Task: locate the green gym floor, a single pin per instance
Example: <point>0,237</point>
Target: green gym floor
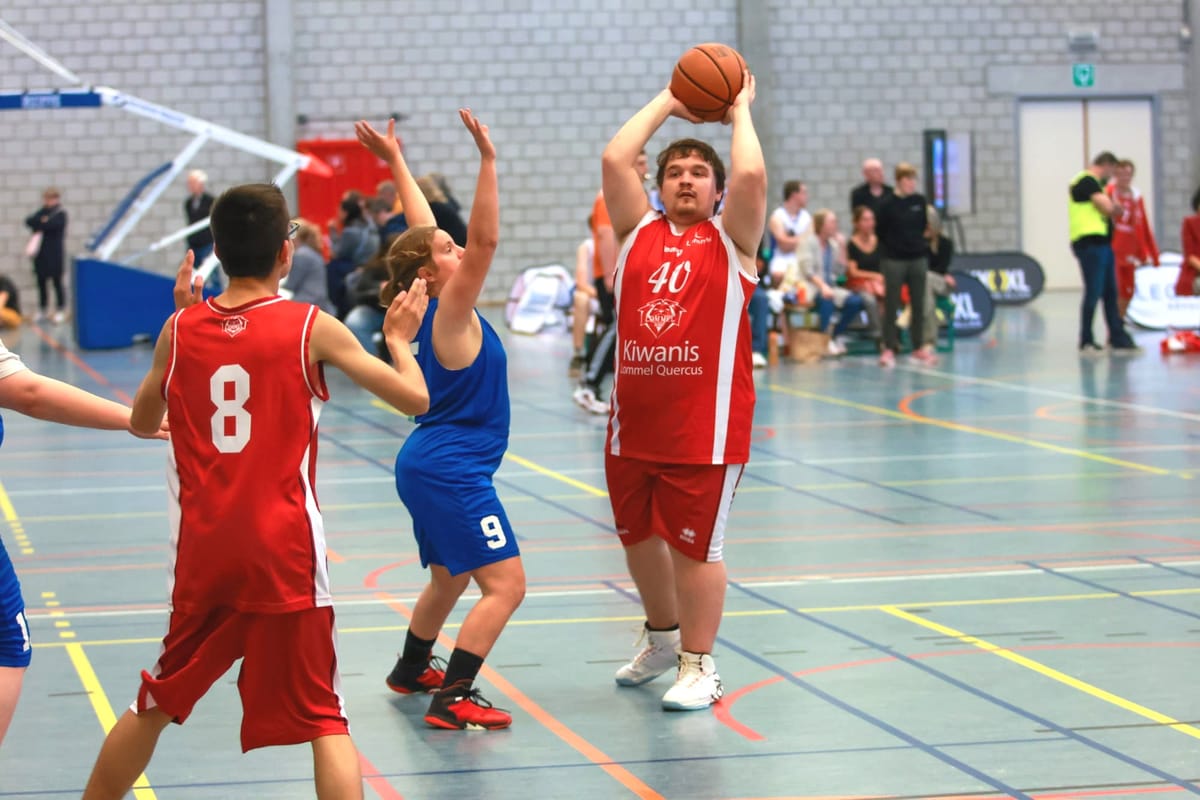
<point>978,580</point>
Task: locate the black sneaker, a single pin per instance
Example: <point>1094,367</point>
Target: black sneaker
<point>1090,349</point>
<point>405,679</point>
<point>460,707</point>
<point>576,366</point>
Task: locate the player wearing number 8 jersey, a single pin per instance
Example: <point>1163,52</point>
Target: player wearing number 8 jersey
<point>241,375</point>
<point>683,395</point>
<point>444,470</point>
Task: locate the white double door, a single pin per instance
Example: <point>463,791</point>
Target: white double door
<point>1057,139</point>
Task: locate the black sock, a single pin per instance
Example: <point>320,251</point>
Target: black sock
<point>674,627</point>
<point>463,665</point>
<point>416,650</point>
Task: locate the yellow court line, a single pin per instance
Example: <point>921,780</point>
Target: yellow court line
<point>103,709</point>
<point>765,612</point>
<point>10,513</point>
<point>955,426</point>
<point>558,476</point>
<point>524,462</point>
<point>1049,672</point>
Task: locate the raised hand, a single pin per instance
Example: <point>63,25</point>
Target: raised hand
<point>745,96</point>
<point>385,146</point>
<point>479,131</point>
<point>676,107</point>
<point>404,315</point>
<point>189,287</point>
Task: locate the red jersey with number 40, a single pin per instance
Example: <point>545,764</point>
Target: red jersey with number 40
<point>243,403</point>
<point>683,385</point>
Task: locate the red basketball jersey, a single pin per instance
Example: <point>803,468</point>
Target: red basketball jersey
<point>243,404</point>
<point>683,385</point>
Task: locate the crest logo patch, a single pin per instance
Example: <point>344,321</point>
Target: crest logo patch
<point>661,315</point>
<point>235,325</point>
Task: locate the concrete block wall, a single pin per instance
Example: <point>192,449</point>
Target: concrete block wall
<point>553,79</point>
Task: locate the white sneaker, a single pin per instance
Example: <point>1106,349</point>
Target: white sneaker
<point>586,399</point>
<point>758,359</point>
<point>40,316</point>
<point>60,317</point>
<point>697,686</point>
<point>659,655</point>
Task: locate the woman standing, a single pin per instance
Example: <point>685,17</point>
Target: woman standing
<point>444,471</point>
<point>51,222</point>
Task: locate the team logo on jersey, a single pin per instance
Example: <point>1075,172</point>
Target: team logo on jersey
<point>235,325</point>
<point>661,315</point>
<point>688,535</point>
<point>699,239</point>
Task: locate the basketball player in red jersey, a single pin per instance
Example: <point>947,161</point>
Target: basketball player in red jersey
<point>242,377</point>
<point>683,393</point>
<point>1133,240</point>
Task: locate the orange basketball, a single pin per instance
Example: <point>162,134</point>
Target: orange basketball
<point>707,78</point>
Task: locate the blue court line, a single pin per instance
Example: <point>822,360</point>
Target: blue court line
<point>1103,588</point>
<point>822,498</point>
<point>974,690</point>
<point>865,716</point>
<point>875,484</point>
<point>571,765</point>
<point>1167,567</point>
<point>389,467</point>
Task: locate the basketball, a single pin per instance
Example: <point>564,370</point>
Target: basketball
<point>707,78</point>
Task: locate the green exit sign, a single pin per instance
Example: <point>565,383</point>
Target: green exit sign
<point>1083,75</point>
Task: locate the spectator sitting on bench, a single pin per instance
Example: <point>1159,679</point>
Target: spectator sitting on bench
<point>828,271</point>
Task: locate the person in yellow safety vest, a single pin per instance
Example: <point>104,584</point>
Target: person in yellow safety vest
<point>1090,212</point>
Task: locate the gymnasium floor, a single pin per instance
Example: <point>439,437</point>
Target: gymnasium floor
<point>980,580</point>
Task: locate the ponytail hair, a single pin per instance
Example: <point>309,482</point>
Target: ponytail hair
<point>410,251</point>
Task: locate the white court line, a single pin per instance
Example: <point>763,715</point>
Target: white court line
<point>809,581</point>
<point>1079,398</point>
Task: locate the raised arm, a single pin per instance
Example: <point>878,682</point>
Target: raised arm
<point>458,297</point>
<point>387,148</point>
<point>149,405</point>
<point>623,193</point>
<point>746,188</point>
<point>401,385</point>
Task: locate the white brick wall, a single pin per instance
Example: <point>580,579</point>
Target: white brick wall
<point>554,79</point>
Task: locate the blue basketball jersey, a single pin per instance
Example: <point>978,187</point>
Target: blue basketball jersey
<point>15,649</point>
<point>444,470</point>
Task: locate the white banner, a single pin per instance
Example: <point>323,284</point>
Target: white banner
<point>1155,304</point>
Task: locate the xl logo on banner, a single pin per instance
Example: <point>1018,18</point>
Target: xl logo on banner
<point>1155,304</point>
<point>1011,277</point>
<point>973,305</point>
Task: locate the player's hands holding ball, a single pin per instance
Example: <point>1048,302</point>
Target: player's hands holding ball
<point>404,315</point>
<point>708,81</point>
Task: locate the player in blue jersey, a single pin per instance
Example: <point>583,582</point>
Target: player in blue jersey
<point>23,390</point>
<point>444,470</point>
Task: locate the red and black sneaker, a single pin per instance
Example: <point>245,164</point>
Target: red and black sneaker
<point>461,707</point>
<point>407,680</point>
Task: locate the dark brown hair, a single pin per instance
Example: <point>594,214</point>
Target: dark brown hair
<point>412,250</point>
<point>249,224</point>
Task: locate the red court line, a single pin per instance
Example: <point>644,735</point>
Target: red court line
<point>724,709</point>
<point>378,783</point>
<point>539,714</point>
<point>83,365</point>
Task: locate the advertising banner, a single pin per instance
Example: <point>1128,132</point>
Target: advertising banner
<point>1012,277</point>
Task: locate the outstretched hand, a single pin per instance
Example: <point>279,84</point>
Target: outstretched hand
<point>404,315</point>
<point>744,98</point>
<point>385,146</point>
<point>479,131</point>
<point>189,287</point>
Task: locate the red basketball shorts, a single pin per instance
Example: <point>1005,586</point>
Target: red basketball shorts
<point>685,504</point>
<point>288,682</point>
<point>1126,279</point>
